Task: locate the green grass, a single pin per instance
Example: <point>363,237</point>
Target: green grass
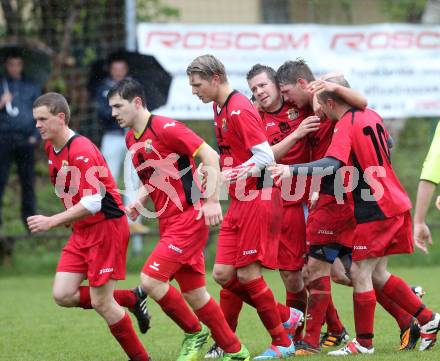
<point>33,328</point>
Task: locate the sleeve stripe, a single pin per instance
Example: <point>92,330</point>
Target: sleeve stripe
<point>198,149</point>
<point>430,181</point>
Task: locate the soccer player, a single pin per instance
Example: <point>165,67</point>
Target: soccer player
<point>286,127</point>
<point>381,208</point>
<point>408,325</point>
<point>96,250</point>
<point>249,235</point>
<point>163,152</point>
<point>429,179</point>
<point>330,227</point>
<point>288,130</point>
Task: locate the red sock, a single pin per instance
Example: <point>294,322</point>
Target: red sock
<point>177,309</point>
<point>212,316</point>
<point>265,304</point>
<point>123,332</point>
<point>402,317</point>
<point>298,300</point>
<point>334,324</point>
<point>399,292</point>
<point>84,297</point>
<point>283,311</point>
<point>238,289</point>
<point>319,297</point>
<point>364,306</point>
<point>124,298</point>
<point>231,306</point>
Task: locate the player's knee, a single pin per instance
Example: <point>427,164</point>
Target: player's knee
<point>197,298</point>
<point>154,288</point>
<point>356,273</point>
<point>361,278</point>
<point>292,280</point>
<point>314,269</point>
<point>379,279</point>
<point>220,276</point>
<point>62,298</point>
<point>147,285</point>
<point>338,277</point>
<point>100,304</point>
<point>246,277</point>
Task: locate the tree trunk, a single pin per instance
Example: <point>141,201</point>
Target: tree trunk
<point>12,17</point>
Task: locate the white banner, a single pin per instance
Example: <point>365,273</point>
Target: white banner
<point>396,66</point>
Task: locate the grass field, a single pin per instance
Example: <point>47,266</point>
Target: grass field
<point>33,328</point>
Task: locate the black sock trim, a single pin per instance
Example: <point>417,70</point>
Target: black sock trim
<point>419,311</point>
<point>364,336</point>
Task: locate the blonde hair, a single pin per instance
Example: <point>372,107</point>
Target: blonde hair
<point>207,66</point>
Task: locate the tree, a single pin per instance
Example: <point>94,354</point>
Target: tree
<point>407,11</point>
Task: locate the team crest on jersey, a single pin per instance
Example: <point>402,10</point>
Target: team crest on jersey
<point>149,145</point>
<point>284,127</point>
<point>224,125</point>
<point>64,163</point>
<point>292,113</point>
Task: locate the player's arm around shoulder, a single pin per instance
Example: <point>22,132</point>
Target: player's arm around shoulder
<point>350,95</point>
<point>210,169</point>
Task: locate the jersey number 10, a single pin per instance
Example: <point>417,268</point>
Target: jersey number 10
<point>379,141</point>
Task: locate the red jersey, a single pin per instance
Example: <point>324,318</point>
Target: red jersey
<point>318,142</point>
<point>279,125</point>
<point>77,170</point>
<point>163,158</point>
<point>321,139</point>
<point>360,140</point>
<point>238,127</point>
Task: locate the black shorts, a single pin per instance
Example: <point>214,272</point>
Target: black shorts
<point>329,252</point>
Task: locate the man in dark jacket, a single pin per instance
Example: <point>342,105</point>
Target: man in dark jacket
<point>113,140</point>
<point>18,136</point>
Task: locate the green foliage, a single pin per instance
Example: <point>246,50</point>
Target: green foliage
<point>404,10</point>
<point>57,84</point>
<point>155,11</point>
<point>33,328</point>
<point>89,56</point>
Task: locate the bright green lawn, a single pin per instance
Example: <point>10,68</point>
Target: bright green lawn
<point>33,328</point>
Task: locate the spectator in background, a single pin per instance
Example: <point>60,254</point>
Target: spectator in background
<point>18,135</point>
<point>113,141</point>
<point>429,179</point>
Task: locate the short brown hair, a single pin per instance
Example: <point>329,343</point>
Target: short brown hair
<point>55,103</point>
<point>207,66</point>
<point>258,69</point>
<point>128,89</point>
<point>340,79</point>
<point>291,71</point>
